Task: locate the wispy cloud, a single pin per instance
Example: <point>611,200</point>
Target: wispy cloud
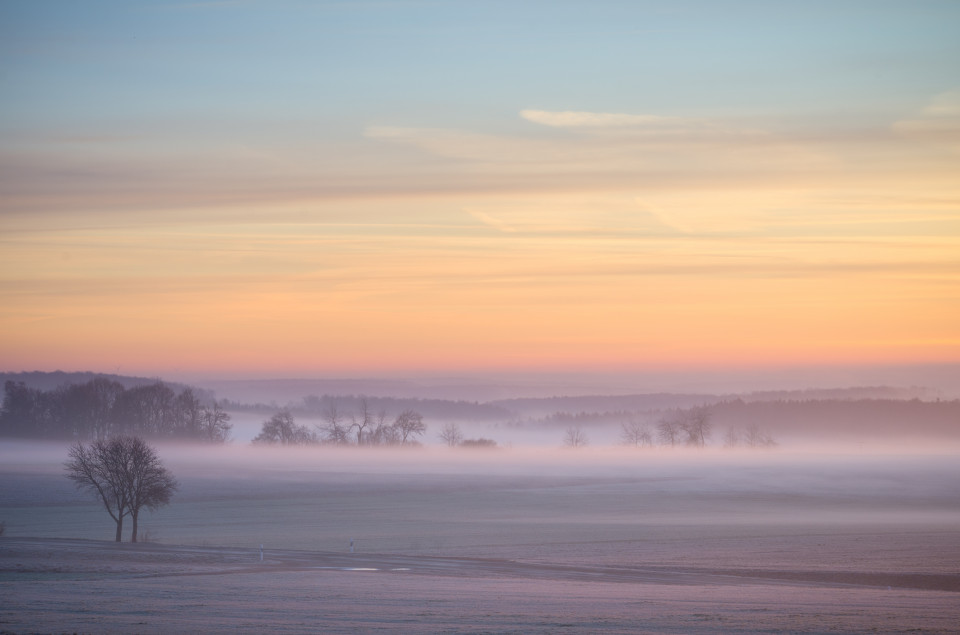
<point>571,214</point>
<point>487,219</point>
<point>583,119</point>
<point>651,127</point>
<point>600,120</point>
<point>938,121</point>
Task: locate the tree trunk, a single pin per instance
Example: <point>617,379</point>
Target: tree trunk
<point>120,529</point>
<point>133,534</point>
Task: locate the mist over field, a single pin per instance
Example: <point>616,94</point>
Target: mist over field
<point>444,501</point>
<point>881,528</point>
<point>847,513</point>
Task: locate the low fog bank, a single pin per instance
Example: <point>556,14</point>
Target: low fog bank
<point>847,419</point>
<point>234,461</point>
<point>590,504</point>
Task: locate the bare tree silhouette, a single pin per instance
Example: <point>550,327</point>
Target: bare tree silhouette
<point>124,474</point>
<point>451,435</point>
<point>334,429</point>
<point>668,431</point>
<point>575,438</point>
<point>282,429</point>
<point>635,433</point>
<point>408,424</point>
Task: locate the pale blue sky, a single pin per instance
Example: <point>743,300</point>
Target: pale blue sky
<point>334,67</point>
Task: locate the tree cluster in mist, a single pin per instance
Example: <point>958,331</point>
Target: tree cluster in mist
<point>690,427</point>
<point>360,427</point>
<point>102,408</point>
<point>452,437</point>
<point>575,437</point>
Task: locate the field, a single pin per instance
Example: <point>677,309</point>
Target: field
<point>515,540</point>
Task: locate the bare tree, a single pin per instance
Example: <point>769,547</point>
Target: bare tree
<point>215,424</point>
<point>695,422</point>
<point>757,438</point>
<point>147,410</point>
<point>389,435</point>
<point>635,433</point>
<point>668,431</point>
<point>575,438</point>
<point>408,424</point>
<point>731,438</point>
<point>362,421</point>
<point>98,470</point>
<point>381,434</point>
<point>124,474</point>
<point>282,429</point>
<point>186,419</point>
<point>334,429</point>
<point>148,483</point>
<point>451,435</point>
<point>84,409</point>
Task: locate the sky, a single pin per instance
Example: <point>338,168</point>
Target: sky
<point>330,188</point>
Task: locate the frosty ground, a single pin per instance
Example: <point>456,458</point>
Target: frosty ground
<point>513,541</point>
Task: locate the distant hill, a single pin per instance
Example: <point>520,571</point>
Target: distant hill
<point>50,381</point>
<point>540,407</point>
<point>283,392</point>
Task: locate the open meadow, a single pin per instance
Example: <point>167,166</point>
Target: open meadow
<point>510,540</point>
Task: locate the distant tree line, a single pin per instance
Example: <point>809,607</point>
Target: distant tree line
<point>864,418</point>
<point>433,409</point>
<point>360,427</point>
<point>102,408</point>
<point>55,379</point>
<point>751,424</point>
<point>534,407</point>
<point>313,406</point>
<point>691,427</point>
<point>584,417</point>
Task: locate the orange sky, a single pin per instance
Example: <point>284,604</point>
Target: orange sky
<point>573,280</point>
<point>471,230</point>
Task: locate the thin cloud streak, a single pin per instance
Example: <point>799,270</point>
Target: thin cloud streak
<point>480,164</point>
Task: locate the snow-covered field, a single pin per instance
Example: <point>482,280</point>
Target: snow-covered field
<point>595,540</point>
